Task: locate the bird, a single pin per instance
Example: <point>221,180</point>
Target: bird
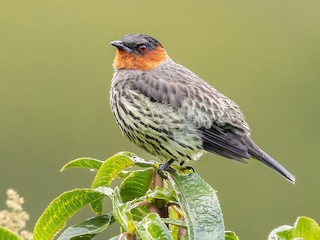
<point>170,112</point>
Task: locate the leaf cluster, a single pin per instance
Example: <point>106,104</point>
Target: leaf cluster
<point>144,205</point>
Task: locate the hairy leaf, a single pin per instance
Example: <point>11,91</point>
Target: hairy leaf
<point>200,205</point>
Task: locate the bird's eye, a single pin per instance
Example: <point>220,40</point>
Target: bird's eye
<point>142,48</point>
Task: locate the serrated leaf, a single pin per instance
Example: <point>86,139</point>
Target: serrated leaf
<point>90,163</point>
<point>304,228</point>
<point>229,235</point>
<point>88,228</point>
<point>152,228</point>
<point>8,234</point>
<point>200,205</point>
<point>61,209</point>
<point>136,184</point>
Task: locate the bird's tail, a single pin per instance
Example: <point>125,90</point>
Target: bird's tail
<point>260,155</point>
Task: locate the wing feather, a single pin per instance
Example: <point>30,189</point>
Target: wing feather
<point>217,118</point>
<point>226,144</point>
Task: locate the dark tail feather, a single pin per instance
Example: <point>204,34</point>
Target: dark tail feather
<point>259,154</point>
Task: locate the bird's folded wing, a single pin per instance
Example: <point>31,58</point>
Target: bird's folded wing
<point>226,144</point>
<point>171,89</point>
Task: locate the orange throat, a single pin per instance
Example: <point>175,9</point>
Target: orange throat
<point>148,61</point>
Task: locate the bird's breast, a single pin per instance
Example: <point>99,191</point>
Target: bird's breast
<point>156,127</point>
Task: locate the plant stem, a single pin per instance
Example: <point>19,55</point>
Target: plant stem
<point>158,182</point>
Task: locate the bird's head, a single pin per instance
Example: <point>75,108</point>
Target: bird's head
<point>139,52</point>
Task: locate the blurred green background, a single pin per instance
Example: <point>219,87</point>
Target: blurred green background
<point>55,73</point>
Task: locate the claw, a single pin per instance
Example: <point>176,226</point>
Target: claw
<point>186,167</point>
<point>181,163</point>
<point>189,168</point>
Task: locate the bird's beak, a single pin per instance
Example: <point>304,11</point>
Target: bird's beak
<point>120,46</point>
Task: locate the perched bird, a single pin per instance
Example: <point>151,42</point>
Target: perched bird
<point>170,112</point>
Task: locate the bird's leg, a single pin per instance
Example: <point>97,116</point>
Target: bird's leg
<point>165,167</point>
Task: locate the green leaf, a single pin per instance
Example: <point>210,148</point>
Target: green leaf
<point>62,208</point>
<point>138,213</point>
<point>97,206</point>
<point>141,162</point>
<point>124,174</point>
<point>178,223</point>
<point>162,193</point>
<point>8,234</point>
<point>136,184</point>
<point>90,163</point>
<point>274,233</point>
<point>111,167</point>
<point>152,227</point>
<point>121,211</point>
<point>88,228</point>
<point>304,228</point>
<point>174,229</point>
<point>229,235</point>
<point>200,205</point>
<point>108,171</point>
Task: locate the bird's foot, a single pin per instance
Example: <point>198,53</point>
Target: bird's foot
<point>189,168</point>
<point>166,167</point>
<point>186,167</point>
